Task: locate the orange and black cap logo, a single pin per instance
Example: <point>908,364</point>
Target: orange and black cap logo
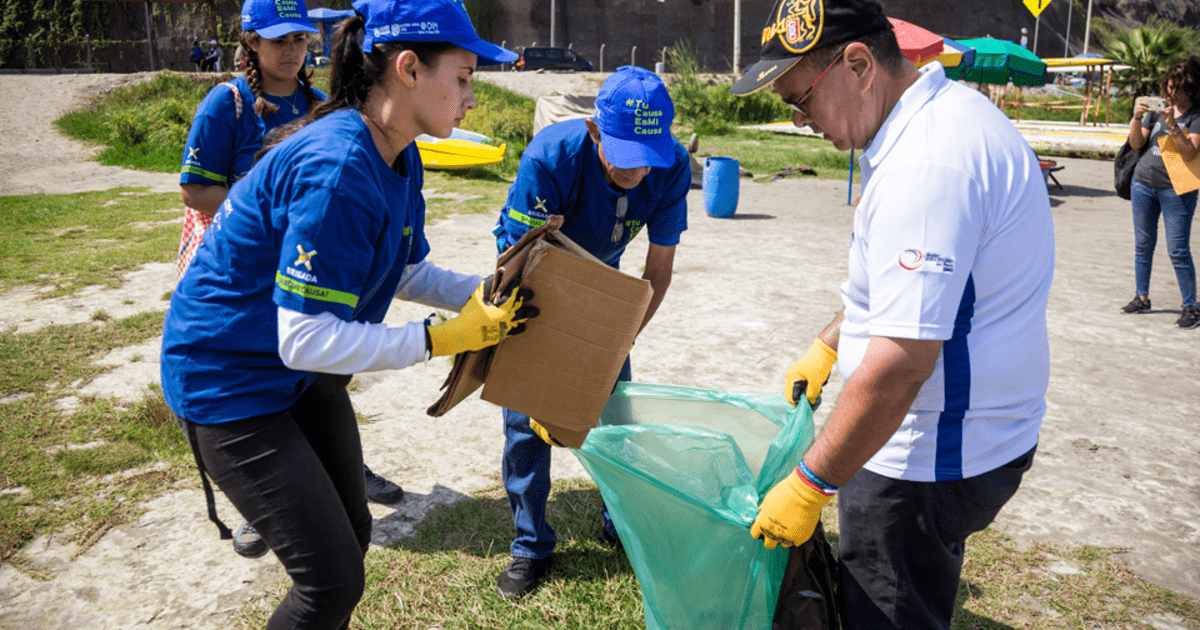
<point>796,27</point>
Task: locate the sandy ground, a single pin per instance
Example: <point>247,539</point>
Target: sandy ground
<point>1117,465</point>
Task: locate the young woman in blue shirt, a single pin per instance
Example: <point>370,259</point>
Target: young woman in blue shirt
<point>286,297</point>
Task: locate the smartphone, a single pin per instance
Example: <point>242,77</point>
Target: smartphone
<point>1155,103</point>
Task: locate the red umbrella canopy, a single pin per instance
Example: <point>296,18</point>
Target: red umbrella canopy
<point>918,44</point>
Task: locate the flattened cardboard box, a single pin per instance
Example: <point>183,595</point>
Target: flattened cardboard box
<point>562,369</point>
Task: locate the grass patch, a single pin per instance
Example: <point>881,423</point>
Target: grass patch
<point>444,576</point>
<point>1053,108</point>
<point>505,117</point>
<point>145,126</point>
<point>467,192</point>
<point>1057,586</point>
<point>142,126</point>
<point>78,473</point>
<point>70,241</point>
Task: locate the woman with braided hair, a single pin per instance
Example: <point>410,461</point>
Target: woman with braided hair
<point>230,126</point>
<point>227,130</point>
<point>287,298</point>
<point>276,74</point>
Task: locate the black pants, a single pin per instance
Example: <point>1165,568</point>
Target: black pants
<point>297,476</point>
<point>901,544</point>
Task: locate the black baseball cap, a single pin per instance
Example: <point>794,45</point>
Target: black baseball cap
<point>796,27</point>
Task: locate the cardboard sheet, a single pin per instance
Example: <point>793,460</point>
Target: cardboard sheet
<point>563,368</point>
<point>1185,176</point>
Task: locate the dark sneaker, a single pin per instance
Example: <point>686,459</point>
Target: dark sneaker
<point>609,539</point>
<point>247,543</point>
<point>380,490</point>
<point>1189,319</point>
<point>522,576</point>
<point>1137,305</point>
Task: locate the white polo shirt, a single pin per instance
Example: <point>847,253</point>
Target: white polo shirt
<point>953,240</point>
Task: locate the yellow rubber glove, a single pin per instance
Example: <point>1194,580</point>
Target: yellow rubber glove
<point>480,324</point>
<point>789,513</point>
<point>812,369</point>
<point>543,433</point>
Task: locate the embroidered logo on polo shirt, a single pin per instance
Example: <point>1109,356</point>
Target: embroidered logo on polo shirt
<point>911,259</point>
<point>926,262</point>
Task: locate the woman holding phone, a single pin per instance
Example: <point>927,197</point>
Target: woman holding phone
<point>1152,193</point>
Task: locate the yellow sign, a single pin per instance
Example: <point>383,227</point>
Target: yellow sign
<point>1036,6</point>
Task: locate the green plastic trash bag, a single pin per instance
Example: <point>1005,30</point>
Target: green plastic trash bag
<point>682,471</point>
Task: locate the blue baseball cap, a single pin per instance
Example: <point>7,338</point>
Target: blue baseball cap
<point>634,114</point>
<point>275,18</point>
<point>427,21</point>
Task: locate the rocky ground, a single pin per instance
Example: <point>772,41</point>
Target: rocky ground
<point>1117,465</point>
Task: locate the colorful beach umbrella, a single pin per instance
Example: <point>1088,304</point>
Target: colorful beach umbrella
<point>919,45</point>
<point>955,55</point>
<point>999,61</point>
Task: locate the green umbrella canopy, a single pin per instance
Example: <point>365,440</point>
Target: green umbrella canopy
<point>998,61</point>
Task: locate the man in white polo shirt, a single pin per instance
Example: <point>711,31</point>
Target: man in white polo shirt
<point>942,341</point>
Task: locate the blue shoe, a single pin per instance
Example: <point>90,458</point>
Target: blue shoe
<point>380,490</point>
<point>247,543</point>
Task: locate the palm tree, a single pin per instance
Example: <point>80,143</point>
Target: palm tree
<point>1150,51</point>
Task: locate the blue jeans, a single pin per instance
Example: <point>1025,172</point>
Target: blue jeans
<point>1176,211</point>
<point>526,471</point>
<point>901,544</point>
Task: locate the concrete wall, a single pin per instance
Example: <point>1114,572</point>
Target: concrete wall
<point>620,25</point>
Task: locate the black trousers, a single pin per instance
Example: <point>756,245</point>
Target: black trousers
<point>901,544</point>
<point>297,476</point>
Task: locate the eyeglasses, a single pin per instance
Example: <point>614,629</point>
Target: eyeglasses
<point>796,106</point>
<point>622,208</point>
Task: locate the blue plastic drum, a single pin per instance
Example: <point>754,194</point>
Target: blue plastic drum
<point>720,186</point>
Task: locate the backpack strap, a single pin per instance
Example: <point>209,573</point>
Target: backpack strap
<point>225,533</point>
<point>237,100</point>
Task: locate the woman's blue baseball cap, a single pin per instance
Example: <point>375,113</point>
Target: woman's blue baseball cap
<point>634,114</point>
<point>275,18</point>
<point>426,21</point>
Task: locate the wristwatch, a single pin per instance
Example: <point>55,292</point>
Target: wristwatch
<point>1173,128</point>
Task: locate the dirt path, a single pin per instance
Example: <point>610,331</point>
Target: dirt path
<point>35,158</point>
<point>1117,465</point>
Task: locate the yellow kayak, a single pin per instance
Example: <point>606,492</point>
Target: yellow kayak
<point>462,149</point>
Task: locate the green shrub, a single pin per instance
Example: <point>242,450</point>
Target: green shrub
<point>504,116</point>
<point>174,120</point>
<point>127,127</point>
<point>144,126</point>
<point>708,106</point>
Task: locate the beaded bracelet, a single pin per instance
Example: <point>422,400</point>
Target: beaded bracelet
<point>809,475</point>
